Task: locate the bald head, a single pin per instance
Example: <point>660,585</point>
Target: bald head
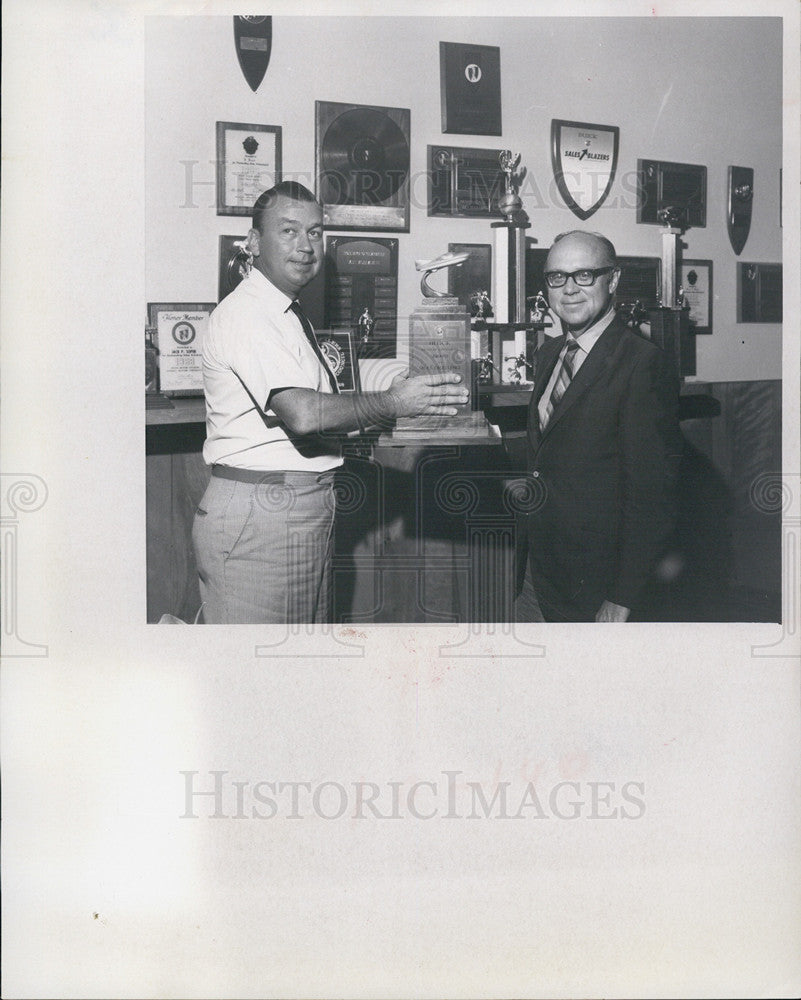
<point>580,306</point>
<point>601,243</point>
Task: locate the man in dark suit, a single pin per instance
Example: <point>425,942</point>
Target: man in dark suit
<point>603,447</point>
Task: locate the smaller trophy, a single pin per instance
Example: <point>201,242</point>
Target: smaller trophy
<point>480,305</point>
<point>509,257</point>
<point>538,307</point>
<point>364,330</point>
<point>437,264</point>
<point>509,203</point>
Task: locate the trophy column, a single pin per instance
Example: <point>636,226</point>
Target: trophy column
<point>670,324</point>
<point>509,271</point>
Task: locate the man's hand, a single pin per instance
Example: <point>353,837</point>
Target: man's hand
<point>609,612</point>
<point>427,395</point>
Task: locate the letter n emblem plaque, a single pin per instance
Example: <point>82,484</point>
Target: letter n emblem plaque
<point>584,160</point>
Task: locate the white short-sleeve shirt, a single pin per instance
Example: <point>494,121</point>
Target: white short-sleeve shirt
<point>252,347</point>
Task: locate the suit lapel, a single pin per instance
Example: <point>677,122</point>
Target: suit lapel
<point>597,362</point>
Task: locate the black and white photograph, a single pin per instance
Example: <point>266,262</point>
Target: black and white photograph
<point>402,470</point>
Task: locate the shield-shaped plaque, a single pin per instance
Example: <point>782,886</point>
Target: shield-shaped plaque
<point>584,160</point>
<point>741,198</point>
<point>254,41</point>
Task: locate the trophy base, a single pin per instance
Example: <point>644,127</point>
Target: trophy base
<point>467,428</point>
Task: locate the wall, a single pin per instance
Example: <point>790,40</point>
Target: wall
<point>696,90</point>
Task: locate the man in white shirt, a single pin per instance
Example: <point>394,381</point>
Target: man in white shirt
<point>263,531</point>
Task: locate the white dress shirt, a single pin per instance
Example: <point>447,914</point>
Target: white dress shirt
<point>254,346</point>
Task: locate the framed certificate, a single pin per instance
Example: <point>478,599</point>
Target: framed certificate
<point>180,328</point>
<point>248,162</point>
<point>337,347</point>
<point>696,286</point>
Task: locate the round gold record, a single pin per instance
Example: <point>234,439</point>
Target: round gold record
<point>365,158</point>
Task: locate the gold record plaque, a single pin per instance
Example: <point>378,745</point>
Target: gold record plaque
<point>362,165</point>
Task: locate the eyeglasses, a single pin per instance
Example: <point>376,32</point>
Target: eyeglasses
<point>586,276</point>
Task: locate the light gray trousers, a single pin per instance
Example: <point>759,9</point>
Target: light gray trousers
<point>264,550</point>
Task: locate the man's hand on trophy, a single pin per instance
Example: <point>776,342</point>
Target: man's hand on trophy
<point>430,394</point>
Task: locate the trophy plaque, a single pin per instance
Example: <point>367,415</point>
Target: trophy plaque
<point>439,342</point>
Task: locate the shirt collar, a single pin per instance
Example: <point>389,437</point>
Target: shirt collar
<point>588,339</point>
<point>263,287</point>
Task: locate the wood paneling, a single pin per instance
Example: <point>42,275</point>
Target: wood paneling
<point>423,536</point>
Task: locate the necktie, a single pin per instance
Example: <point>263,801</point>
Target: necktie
<point>309,331</point>
<point>562,382</point>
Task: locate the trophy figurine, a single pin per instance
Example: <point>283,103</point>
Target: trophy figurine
<point>242,259</point>
<point>436,264</point>
<point>538,306</point>
<point>509,203</point>
<point>364,329</point>
<point>480,305</point>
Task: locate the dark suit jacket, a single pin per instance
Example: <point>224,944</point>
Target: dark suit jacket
<point>603,475</point>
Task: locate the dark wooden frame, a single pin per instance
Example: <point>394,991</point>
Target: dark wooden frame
<point>762,310</point>
<point>361,217</point>
<point>443,187</point>
<point>460,116</point>
<point>652,177</point>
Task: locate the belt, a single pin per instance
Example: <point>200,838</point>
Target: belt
<point>265,478</point>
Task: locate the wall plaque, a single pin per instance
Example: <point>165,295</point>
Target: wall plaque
<point>362,274</point>
<point>362,165</point>
<point>584,160</point>
<point>741,200</point>
<point>680,186</point>
<point>470,88</point>
<point>759,293</point>
<point>339,351</point>
<point>464,182</point>
<point>180,328</point>
<point>253,36</point>
<point>248,162</point>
